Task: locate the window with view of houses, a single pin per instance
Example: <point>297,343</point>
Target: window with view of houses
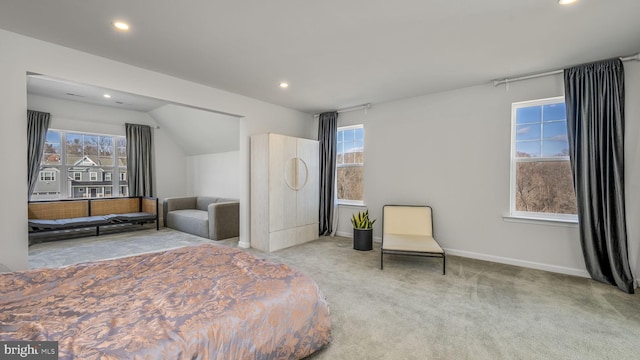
<point>541,180</point>
<point>91,165</point>
<point>350,164</point>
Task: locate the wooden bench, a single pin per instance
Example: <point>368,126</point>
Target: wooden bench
<point>70,214</point>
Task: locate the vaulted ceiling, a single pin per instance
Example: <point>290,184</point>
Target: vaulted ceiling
<point>336,53</point>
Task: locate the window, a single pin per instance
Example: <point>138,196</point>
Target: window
<point>541,180</point>
<point>47,175</point>
<point>78,158</point>
<point>349,164</point>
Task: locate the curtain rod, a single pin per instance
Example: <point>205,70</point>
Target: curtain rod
<point>351,108</point>
<point>553,72</point>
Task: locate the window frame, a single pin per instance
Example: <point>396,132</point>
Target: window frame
<point>47,175</point>
<point>345,201</point>
<point>66,191</point>
<point>530,215</point>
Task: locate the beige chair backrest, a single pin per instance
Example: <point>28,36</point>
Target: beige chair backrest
<point>407,220</point>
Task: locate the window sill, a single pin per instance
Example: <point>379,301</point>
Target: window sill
<point>540,221</point>
<point>348,204</point>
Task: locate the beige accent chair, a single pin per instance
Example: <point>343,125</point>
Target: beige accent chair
<point>408,230</point>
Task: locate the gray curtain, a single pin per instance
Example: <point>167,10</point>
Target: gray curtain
<point>327,136</point>
<point>594,95</point>
<point>139,160</point>
<point>37,125</point>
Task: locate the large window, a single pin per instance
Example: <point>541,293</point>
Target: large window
<point>349,163</point>
<point>541,181</point>
<point>89,165</point>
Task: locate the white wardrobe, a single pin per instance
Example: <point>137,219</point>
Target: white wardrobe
<point>285,191</point>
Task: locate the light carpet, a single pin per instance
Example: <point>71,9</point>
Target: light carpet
<point>479,310</point>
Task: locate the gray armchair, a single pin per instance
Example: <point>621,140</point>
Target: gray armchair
<point>209,217</point>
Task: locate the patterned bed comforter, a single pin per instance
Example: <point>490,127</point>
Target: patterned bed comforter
<point>197,302</point>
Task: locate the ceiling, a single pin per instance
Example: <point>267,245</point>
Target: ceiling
<point>216,132</point>
<point>67,90</point>
<point>336,53</point>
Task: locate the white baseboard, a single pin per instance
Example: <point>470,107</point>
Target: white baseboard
<point>521,263</point>
<point>501,260</point>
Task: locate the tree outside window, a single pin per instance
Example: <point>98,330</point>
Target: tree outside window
<point>350,164</point>
<point>541,180</point>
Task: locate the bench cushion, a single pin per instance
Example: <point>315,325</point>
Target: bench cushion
<point>135,216</point>
<point>68,223</point>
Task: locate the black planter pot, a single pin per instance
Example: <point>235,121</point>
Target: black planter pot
<point>363,239</point>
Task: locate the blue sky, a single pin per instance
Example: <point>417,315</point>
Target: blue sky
<point>350,140</point>
<point>542,130</point>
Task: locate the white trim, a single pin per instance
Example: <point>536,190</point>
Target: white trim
<point>83,133</point>
<point>343,165</point>
<point>523,216</point>
<point>356,203</point>
<point>502,260</point>
<point>522,263</point>
<point>350,127</point>
<point>545,101</point>
<point>527,219</point>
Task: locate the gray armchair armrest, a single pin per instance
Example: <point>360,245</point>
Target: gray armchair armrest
<point>224,220</point>
<point>177,203</point>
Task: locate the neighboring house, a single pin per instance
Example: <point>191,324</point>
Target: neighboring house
<point>48,185</point>
<point>85,179</point>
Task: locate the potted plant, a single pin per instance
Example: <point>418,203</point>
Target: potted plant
<point>362,231</point>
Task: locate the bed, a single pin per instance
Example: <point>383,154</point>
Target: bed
<point>197,302</point>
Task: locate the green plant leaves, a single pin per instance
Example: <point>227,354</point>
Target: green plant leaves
<point>360,220</point>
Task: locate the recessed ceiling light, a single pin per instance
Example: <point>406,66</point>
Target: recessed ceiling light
<point>284,85</point>
<point>107,96</point>
<point>120,25</point>
<point>566,2</point>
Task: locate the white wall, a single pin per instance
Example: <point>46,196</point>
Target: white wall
<point>214,175</point>
<point>197,131</point>
<point>75,116</point>
<point>632,164</point>
<point>452,151</point>
<point>170,166</point>
<point>22,54</point>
